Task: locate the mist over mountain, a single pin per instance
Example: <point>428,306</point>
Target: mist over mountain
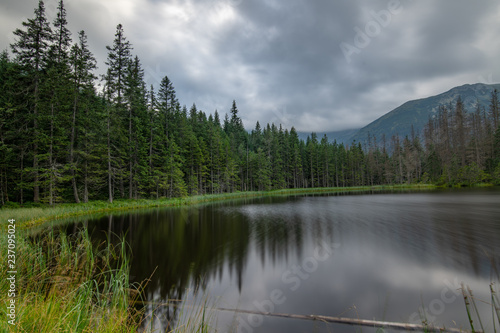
<point>338,136</point>
<point>416,113</point>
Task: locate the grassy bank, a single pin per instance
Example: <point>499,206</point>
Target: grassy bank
<point>65,284</point>
<point>36,216</point>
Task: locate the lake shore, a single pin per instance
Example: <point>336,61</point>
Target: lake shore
<point>29,217</point>
<point>64,274</point>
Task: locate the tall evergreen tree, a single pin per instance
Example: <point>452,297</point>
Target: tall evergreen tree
<point>119,57</point>
<point>495,109</point>
<point>136,97</point>
<point>62,36</point>
<point>167,103</point>
<point>57,92</point>
<point>31,49</point>
<point>83,64</point>
<point>10,138</point>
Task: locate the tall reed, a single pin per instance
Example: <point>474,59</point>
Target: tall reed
<point>65,284</point>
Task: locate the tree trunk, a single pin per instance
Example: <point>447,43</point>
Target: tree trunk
<point>85,183</point>
<point>36,186</point>
<point>51,157</point>
<point>21,190</point>
<point>131,175</point>
<point>72,150</point>
<point>110,186</point>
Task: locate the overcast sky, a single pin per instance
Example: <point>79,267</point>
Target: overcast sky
<point>318,65</point>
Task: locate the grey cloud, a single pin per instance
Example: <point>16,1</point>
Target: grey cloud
<point>282,61</point>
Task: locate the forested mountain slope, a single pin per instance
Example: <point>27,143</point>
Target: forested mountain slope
<point>416,113</point>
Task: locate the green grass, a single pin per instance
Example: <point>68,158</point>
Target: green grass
<point>36,216</point>
<point>65,284</point>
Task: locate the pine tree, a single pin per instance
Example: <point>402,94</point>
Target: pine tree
<point>263,170</point>
<point>62,36</point>
<point>495,109</point>
<point>119,57</point>
<point>277,150</point>
<point>31,49</point>
<point>169,163</point>
<point>312,159</point>
<point>324,156</point>
<point>459,132</point>
<point>236,128</point>
<point>295,159</point>
<point>10,140</point>
<point>83,64</point>
<point>496,152</point>
<point>56,90</point>
<point>167,102</point>
<point>136,96</point>
<point>152,139</point>
<point>216,119</point>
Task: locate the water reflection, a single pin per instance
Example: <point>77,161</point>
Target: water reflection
<point>397,252</point>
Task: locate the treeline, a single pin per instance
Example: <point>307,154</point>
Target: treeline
<point>64,140</point>
<point>456,148</point>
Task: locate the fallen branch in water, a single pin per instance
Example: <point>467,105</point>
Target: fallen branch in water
<point>351,321</point>
<point>336,320</point>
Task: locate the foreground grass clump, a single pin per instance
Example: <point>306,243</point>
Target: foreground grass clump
<point>65,284</point>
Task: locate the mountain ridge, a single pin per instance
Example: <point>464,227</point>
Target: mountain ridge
<point>416,112</point>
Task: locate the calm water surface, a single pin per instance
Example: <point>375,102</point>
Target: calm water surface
<point>370,256</point>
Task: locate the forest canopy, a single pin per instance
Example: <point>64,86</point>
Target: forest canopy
<point>64,140</point>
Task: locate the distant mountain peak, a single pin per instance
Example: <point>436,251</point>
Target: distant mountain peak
<point>417,112</point>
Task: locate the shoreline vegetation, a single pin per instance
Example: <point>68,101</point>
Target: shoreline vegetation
<point>30,217</point>
<point>64,140</point>
<point>69,284</point>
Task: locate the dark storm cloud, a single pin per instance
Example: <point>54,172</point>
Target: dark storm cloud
<point>317,65</point>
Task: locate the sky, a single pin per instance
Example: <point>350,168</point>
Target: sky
<point>317,65</point>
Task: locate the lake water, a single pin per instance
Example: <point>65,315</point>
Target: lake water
<point>379,256</point>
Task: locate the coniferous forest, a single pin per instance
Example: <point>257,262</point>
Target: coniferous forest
<point>63,139</point>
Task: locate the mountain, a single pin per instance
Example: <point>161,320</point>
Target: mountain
<point>417,112</point>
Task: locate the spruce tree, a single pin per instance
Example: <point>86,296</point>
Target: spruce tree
<point>169,162</point>
<point>57,96</point>
<point>83,64</point>
<point>295,159</point>
<point>118,60</point>
<point>136,97</point>
<point>495,109</point>
<point>31,49</point>
<point>167,101</point>
<point>10,139</point>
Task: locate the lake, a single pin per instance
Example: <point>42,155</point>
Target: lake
<point>379,256</point>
